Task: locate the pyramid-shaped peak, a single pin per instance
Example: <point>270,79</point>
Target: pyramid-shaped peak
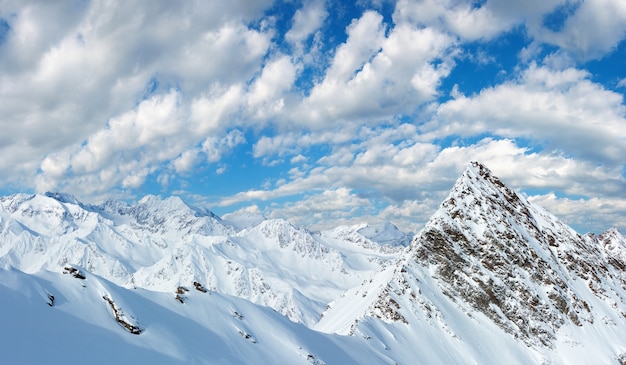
<point>157,200</point>
<point>478,183</point>
<point>612,234</point>
<point>478,171</point>
<point>491,248</point>
<point>478,166</point>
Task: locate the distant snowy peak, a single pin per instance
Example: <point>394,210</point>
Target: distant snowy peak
<point>286,235</point>
<point>48,215</point>
<point>614,245</point>
<point>162,244</point>
<point>490,276</point>
<point>613,241</point>
<point>159,215</point>
<point>243,220</point>
<point>63,197</point>
<point>384,237</point>
<point>386,233</point>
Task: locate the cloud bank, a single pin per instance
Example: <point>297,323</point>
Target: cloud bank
<point>320,112</point>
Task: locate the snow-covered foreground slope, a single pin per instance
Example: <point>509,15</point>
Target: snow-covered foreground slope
<point>210,328</point>
<point>491,279</point>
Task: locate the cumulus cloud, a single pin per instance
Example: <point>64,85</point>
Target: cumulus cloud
<point>594,29</point>
<point>120,84</point>
<point>560,109</point>
<point>416,174</point>
<point>306,22</point>
<point>215,147</point>
<point>469,19</point>
<point>325,210</point>
<point>265,98</point>
<point>98,97</point>
<point>395,73</point>
<point>594,214</point>
<point>586,29</point>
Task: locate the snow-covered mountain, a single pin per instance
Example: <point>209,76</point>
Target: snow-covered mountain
<point>163,244</point>
<point>491,278</point>
<point>487,262</point>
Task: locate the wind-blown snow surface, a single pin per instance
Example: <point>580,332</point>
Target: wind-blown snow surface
<point>490,279</point>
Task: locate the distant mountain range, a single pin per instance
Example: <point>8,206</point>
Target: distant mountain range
<point>491,279</point>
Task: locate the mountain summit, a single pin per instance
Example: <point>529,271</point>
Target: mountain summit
<point>491,278</point>
<point>488,257</point>
<point>514,262</point>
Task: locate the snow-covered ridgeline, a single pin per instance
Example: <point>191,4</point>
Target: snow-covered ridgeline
<point>162,244</point>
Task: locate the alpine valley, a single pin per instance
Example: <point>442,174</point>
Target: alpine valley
<point>490,279</point>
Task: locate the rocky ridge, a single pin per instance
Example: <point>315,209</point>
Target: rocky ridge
<point>495,254</point>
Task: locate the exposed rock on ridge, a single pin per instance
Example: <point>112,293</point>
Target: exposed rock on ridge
<point>493,252</point>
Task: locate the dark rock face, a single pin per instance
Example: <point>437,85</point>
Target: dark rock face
<point>493,251</point>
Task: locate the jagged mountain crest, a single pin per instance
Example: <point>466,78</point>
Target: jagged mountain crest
<point>492,252</point>
<point>159,215</point>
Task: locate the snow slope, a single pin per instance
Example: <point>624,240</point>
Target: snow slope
<point>210,328</point>
<point>491,279</point>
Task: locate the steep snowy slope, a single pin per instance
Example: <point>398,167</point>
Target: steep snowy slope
<point>51,318</point>
<point>488,260</point>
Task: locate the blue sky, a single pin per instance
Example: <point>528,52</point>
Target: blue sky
<point>320,112</point>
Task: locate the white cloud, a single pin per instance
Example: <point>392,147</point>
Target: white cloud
<point>186,161</point>
<point>411,215</point>
<point>265,97</point>
<point>306,21</point>
<point>395,74</point>
<point>215,147</point>
<point>298,159</point>
<point>95,99</point>
<point>213,110</point>
<point>562,110</point>
<point>459,18</point>
<point>153,120</point>
<point>122,141</point>
<point>323,210</point>
<point>220,170</point>
<point>365,36</point>
<point>415,174</point>
<point>596,214</point>
<point>470,21</point>
<point>595,29</point>
<point>78,80</point>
